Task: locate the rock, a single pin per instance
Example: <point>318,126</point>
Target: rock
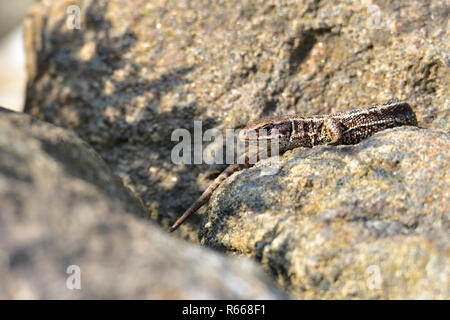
<point>366,221</point>
<point>61,209</point>
<point>129,77</point>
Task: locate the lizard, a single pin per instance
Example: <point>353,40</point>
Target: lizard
<point>294,131</point>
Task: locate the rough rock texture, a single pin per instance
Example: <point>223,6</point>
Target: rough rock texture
<point>332,219</point>
<point>60,206</point>
<point>136,71</point>
<point>328,225</point>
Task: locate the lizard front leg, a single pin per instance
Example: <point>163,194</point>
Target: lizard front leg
<point>334,130</point>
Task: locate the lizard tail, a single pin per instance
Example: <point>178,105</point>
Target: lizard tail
<point>208,193</point>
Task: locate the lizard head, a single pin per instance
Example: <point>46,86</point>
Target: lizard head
<point>267,129</point>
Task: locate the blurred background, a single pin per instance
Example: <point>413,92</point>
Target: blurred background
<point>12,54</point>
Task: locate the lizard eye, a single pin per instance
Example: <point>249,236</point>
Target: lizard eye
<point>282,128</point>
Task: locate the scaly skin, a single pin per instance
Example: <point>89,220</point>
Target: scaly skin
<point>308,131</point>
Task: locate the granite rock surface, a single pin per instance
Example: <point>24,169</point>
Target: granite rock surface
<point>70,230</point>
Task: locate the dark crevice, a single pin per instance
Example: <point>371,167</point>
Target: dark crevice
<point>302,46</point>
